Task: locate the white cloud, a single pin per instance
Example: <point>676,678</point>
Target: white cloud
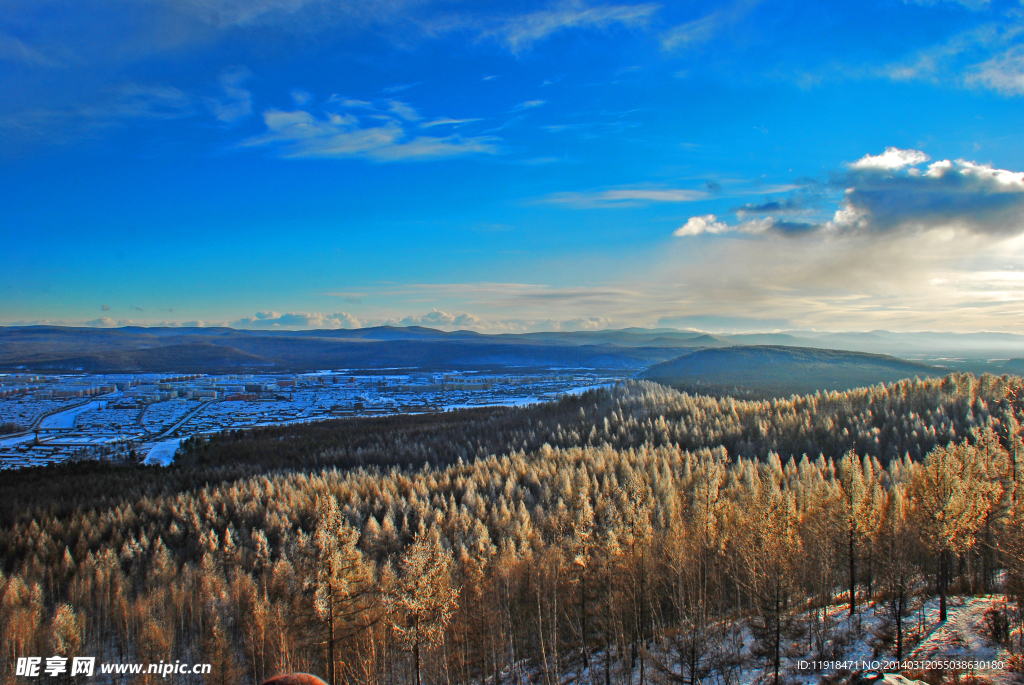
<point>589,323</point>
<point>102,322</point>
<point>890,192</point>
<point>292,320</point>
<point>697,225</point>
<point>893,158</point>
<point>887,194</point>
<point>447,321</point>
<point>439,319</point>
<point>382,136</point>
<point>709,223</point>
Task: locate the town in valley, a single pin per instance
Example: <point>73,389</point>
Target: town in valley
<point>47,419</point>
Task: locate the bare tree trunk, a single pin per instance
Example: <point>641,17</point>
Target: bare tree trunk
<point>899,621</point>
<point>853,575</point>
<point>778,631</point>
<point>540,633</point>
<point>942,579</point>
<point>416,650</point>
<point>330,638</point>
<point>643,594</point>
<point>583,619</point>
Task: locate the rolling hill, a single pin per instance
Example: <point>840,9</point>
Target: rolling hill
<point>762,370</point>
<point>1015,366</point>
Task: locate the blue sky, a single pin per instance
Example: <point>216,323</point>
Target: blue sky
<point>512,166</point>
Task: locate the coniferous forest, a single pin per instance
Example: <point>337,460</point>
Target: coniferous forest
<point>631,534</point>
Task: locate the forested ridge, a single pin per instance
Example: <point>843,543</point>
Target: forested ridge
<point>635,532</point>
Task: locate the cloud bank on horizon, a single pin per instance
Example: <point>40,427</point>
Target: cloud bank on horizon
<point>509,167</point>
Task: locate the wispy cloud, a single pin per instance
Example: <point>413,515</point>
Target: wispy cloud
<point>697,32</point>
<point>624,197</point>
<point>141,101</point>
<point>445,121</point>
<point>1004,72</point>
<point>236,101</point>
<point>692,33</point>
<point>403,110</point>
<point>520,33</point>
<point>306,14</point>
<point>399,87</point>
<point>130,102</point>
<point>502,306</point>
<point>969,4</point>
<point>529,104</point>
<point>384,134</point>
<point>986,56</point>
<point>14,49</point>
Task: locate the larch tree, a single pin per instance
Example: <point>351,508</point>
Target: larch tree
<point>861,503</point>
<point>422,601</point>
<point>344,582</point>
<point>899,570</point>
<point>769,551</point>
<point>951,502</point>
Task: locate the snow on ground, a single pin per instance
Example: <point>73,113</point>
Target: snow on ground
<point>962,635</point>
<point>66,419</point>
<point>855,639</point>
<point>17,440</point>
<point>163,452</point>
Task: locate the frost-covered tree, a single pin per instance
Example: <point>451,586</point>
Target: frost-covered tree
<point>422,601</point>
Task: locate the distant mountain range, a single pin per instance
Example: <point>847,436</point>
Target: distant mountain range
<point>773,370</point>
<point>208,350</point>
<point>158,350</point>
